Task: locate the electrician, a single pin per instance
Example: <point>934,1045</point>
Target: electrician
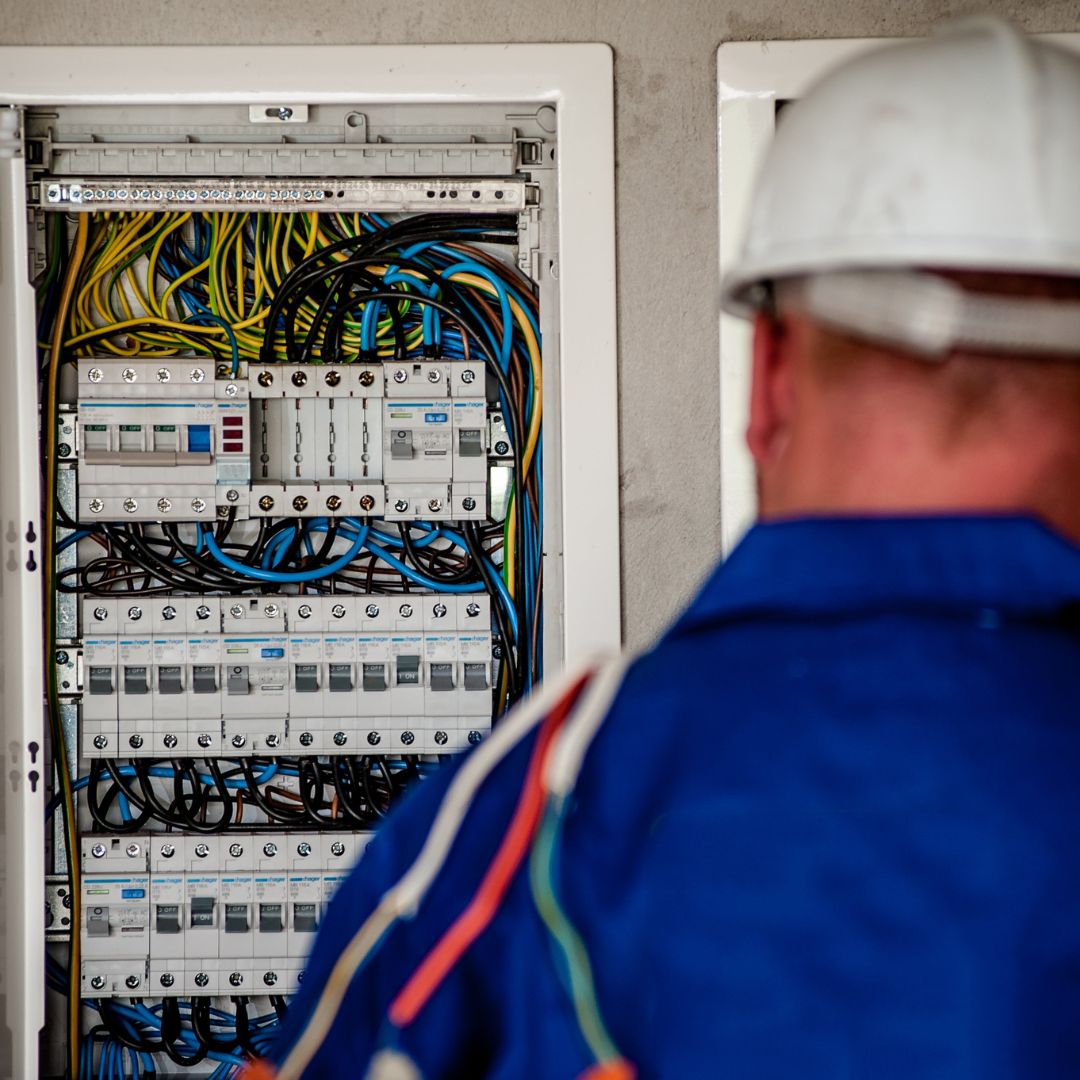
<point>830,826</point>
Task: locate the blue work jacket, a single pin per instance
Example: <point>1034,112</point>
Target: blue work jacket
<point>829,829</point>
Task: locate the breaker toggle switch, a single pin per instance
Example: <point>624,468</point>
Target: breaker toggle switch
<point>170,680</point>
<point>307,678</point>
<point>270,921</point>
<point>204,679</point>
<point>341,680</point>
<point>238,680</point>
<point>305,918</point>
<point>97,922</point>
<point>442,676</point>
<point>167,919</point>
<point>401,446</point>
<point>202,911</point>
<point>135,680</point>
<point>374,676</point>
<point>236,919</point>
<point>101,680</point>
<point>470,442</point>
<point>476,677</point>
<point>408,671</point>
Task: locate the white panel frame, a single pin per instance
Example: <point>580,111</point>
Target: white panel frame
<point>751,78</point>
<point>577,80</point>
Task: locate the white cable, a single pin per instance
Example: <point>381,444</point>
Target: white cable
<point>403,899</point>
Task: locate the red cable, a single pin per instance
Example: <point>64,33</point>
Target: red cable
<point>468,926</point>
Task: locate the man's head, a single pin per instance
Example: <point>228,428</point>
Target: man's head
<point>913,268</point>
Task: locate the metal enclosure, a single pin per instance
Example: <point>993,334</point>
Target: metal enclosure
<point>524,128</point>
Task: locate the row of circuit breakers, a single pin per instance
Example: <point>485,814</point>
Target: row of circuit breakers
<point>212,675</point>
<point>166,914</point>
<point>177,440</point>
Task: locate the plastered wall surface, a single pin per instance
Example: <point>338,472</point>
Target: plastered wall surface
<point>666,195</point>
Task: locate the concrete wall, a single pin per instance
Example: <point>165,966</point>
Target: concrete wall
<point>667,228</point>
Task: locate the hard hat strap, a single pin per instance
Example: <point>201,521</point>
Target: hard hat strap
<point>931,316</point>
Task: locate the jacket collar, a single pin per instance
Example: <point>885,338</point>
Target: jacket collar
<point>1013,566</point>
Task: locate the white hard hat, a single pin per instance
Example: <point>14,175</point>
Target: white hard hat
<point>961,152</point>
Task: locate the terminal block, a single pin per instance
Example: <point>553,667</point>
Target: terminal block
<point>210,676</point>
<point>180,915</point>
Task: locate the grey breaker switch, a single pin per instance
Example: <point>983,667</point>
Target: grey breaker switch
<point>204,679</point>
<point>442,676</point>
<point>270,919</point>
<point>305,919</point>
<point>167,919</point>
<point>202,911</point>
<point>408,671</point>
<point>97,922</point>
<point>401,446</point>
<point>476,677</point>
<point>374,676</point>
<point>340,678</point>
<point>101,680</point>
<point>307,678</point>
<point>135,680</point>
<point>238,680</point>
<point>236,919</point>
<point>170,680</point>
<point>470,444</point>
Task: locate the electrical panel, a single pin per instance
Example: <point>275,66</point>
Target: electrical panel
<point>296,529</point>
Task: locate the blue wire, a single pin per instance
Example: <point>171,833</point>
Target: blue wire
<point>300,575</point>
<point>206,317</point>
<point>72,538</point>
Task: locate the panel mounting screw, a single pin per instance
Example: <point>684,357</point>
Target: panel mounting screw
<point>133,851</point>
<point>198,505</point>
<point>434,375</point>
<point>337,849</point>
<point>62,658</point>
<point>204,741</point>
<point>135,742</point>
<point>202,979</point>
<point>372,611</point>
<point>237,611</point>
<point>100,614</point>
<point>434,505</point>
<point>333,502</point>
<point>401,375</point>
<point>163,374</point>
<point>95,374</point>
<point>374,738</point>
<point>270,850</point>
<point>96,506</point>
<point>164,505</point>
<point>132,982</point>
<point>367,502</point>
<point>168,851</point>
<point>98,851</point>
<point>299,378</point>
<point>284,113</point>
<point>169,742</point>
<point>134,613</point>
<point>405,611</point>
<point>472,610</point>
<point>236,850</point>
<point>439,611</point>
<point>232,495</point>
<point>271,611</point>
<point>407,737</point>
<point>332,378</point>
<point>338,611</point>
<point>474,737</point>
<point>502,448</point>
<point>468,375</point>
<point>266,503</point>
<point>231,390</point>
<point>202,850</point>
<point>468,503</point>
<point>340,738</point>
<point>441,737</point>
<point>202,612</point>
<point>367,378</point>
<point>303,849</point>
<point>304,611</point>
<point>131,505</point>
<point>166,980</point>
<point>401,506</point>
<point>306,738</point>
<point>270,977</point>
<point>100,742</point>
<point>197,375</point>
<point>98,982</point>
<point>265,378</point>
<point>272,741</point>
<point>129,374</point>
<point>299,504</point>
<point>239,741</point>
<point>168,613</point>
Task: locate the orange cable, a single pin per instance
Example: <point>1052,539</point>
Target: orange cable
<point>476,917</point>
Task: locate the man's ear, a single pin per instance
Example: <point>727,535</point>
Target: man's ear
<point>772,390</point>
